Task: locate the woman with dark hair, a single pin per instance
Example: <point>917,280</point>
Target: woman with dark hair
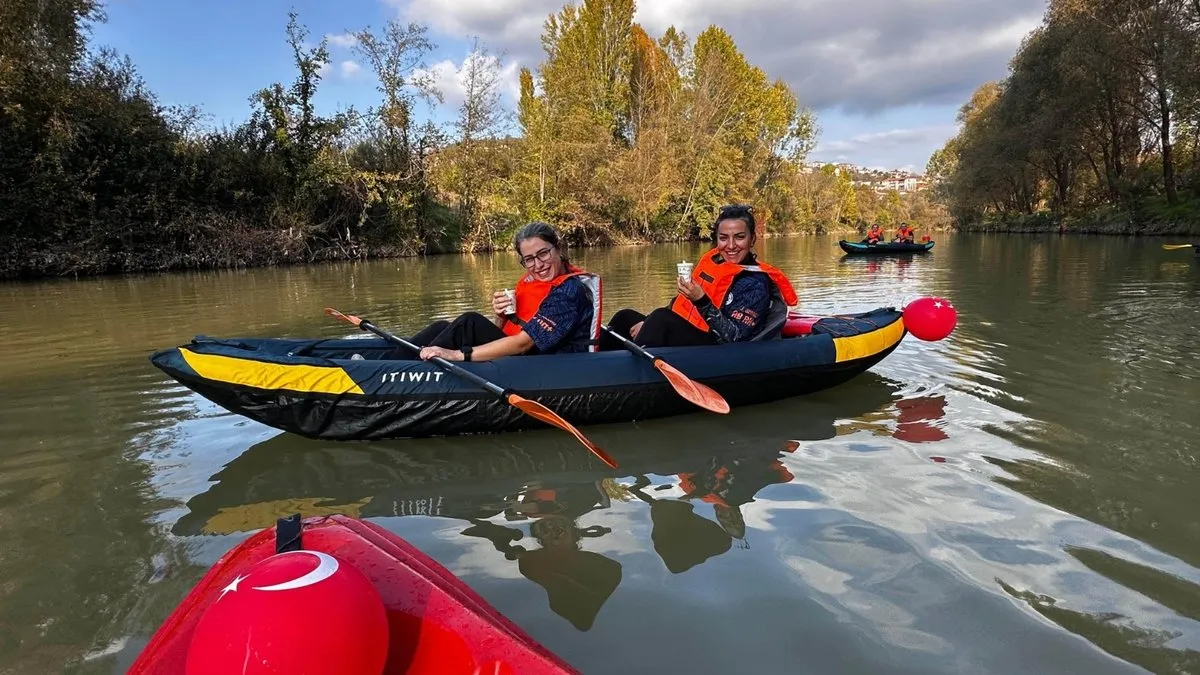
<point>730,297</point>
<point>557,309</point>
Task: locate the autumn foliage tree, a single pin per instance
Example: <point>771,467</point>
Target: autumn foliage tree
<point>1100,110</point>
<point>618,135</point>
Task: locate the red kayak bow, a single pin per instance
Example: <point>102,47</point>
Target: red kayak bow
<point>435,623</point>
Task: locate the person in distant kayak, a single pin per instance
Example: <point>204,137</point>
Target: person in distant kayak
<point>727,299</point>
<point>905,233</point>
<point>875,234</point>
<point>557,309</point>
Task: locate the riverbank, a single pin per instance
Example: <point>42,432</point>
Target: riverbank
<point>1151,219</point>
<point>226,246</point>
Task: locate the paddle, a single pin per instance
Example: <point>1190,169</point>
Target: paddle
<point>700,394</point>
<point>1176,247</point>
<point>532,408</point>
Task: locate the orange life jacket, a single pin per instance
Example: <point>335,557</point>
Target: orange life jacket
<point>713,488</point>
<point>531,292</point>
<point>905,232</point>
<point>875,233</point>
<point>715,275</point>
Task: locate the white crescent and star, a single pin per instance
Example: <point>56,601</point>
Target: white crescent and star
<point>327,565</point>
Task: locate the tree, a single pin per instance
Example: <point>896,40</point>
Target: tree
<point>287,118</point>
<point>400,192</point>
<point>479,117</point>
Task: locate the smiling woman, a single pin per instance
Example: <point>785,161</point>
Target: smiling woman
<point>555,309</point>
<point>730,296</point>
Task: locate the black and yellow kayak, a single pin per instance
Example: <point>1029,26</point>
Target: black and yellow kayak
<point>862,248</point>
<point>349,389</point>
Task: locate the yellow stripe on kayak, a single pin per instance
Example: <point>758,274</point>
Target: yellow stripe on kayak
<point>299,377</point>
<point>869,344</point>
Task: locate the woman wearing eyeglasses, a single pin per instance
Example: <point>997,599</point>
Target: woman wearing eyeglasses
<point>557,309</point>
<point>730,297</point>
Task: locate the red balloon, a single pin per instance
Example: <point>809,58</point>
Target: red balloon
<point>930,319</point>
<point>297,612</point>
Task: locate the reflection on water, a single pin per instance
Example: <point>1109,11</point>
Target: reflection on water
<point>1017,498</point>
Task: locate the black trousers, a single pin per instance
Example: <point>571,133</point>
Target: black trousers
<point>471,328</point>
<point>662,328</point>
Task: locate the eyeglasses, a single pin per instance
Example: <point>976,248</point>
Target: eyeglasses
<point>542,255</point>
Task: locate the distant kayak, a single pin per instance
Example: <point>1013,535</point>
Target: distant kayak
<point>859,248</point>
<point>435,623</point>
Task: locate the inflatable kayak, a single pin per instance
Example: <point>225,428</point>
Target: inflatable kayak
<point>429,621</point>
<point>347,389</point>
<point>859,248</point>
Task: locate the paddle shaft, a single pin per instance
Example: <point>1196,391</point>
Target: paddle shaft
<point>532,408</point>
<point>699,394</point>
<point>461,372</point>
<point>637,349</point>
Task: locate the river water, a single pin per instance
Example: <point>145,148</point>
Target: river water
<point>1021,497</point>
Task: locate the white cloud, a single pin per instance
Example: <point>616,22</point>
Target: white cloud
<point>872,58</point>
<point>349,68</point>
<point>513,25</point>
<point>450,79</point>
<point>886,148</point>
<point>888,140</point>
<point>343,40</point>
<point>883,54</point>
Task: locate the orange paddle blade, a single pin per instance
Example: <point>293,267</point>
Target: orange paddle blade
<point>344,317</point>
<point>700,394</point>
<point>540,412</point>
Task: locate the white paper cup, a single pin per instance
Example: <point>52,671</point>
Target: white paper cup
<point>512,299</point>
<point>684,269</point>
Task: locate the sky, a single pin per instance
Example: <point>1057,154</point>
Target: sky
<point>884,77</point>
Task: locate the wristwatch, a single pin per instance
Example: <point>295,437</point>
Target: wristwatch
<point>466,352</point>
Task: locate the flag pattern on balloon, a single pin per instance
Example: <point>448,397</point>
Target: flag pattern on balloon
<point>252,623</point>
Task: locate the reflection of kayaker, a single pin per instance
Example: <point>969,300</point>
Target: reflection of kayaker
<point>684,538</point>
<point>577,582</point>
<point>729,484</point>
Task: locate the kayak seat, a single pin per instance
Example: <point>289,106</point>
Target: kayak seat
<point>799,326</point>
<point>849,326</point>
<point>777,316</point>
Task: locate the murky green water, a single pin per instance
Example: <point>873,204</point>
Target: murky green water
<point>1022,497</point>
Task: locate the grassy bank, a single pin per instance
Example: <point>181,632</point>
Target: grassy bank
<point>1150,218</point>
<point>223,242</point>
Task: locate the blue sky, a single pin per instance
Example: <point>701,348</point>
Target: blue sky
<point>885,77</point>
